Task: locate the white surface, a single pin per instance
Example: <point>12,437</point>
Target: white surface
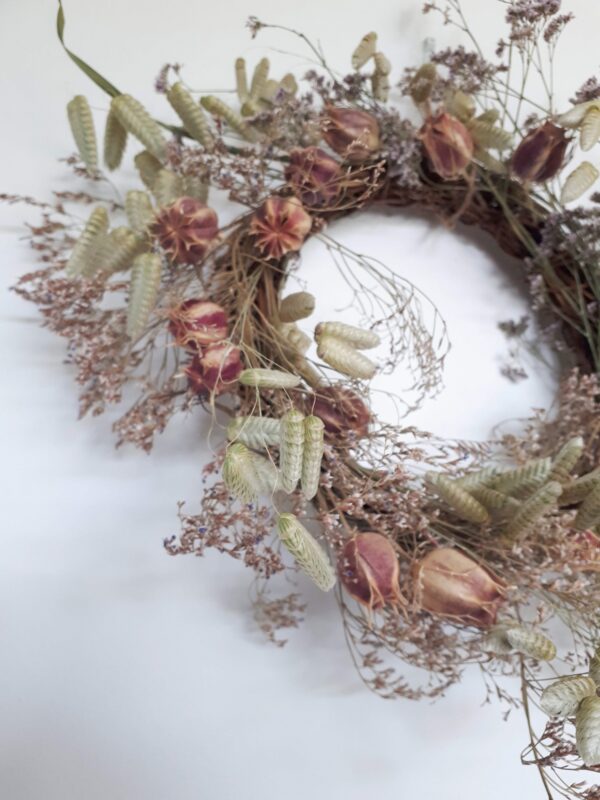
<point>129,675</point>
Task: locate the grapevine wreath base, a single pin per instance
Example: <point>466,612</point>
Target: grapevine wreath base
<point>440,554</point>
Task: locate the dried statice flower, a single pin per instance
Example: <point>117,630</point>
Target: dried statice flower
<point>590,90</point>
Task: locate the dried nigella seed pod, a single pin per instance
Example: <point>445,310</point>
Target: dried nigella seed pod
<point>588,515</point>
<point>351,133</point>
<point>143,291</point>
<point>215,370</point>
<point>312,455</point>
<point>139,211</point>
<point>540,155</point>
<point>191,114</point>
<point>115,141</point>
<point>291,449</point>
<point>280,226</point>
<point>307,552</point>
<point>269,379</point>
<point>422,83</point>
<point>344,358</point>
<point>369,571</point>
<point>296,306</point>
<point>587,730</point>
<point>341,410</point>
<point>137,121</point>
<point>357,337</point>
<point>83,130</point>
<point>364,50</point>
<point>562,698</point>
<point>450,584</point>
<point>186,230</point>
<point>590,129</point>
<point>465,505</point>
<point>313,176</point>
<point>95,227</point>
<point>530,512</point>
<point>578,182</point>
<point>196,323</point>
<point>531,643</point>
<point>255,432</point>
<point>565,460</point>
<point>448,145</point>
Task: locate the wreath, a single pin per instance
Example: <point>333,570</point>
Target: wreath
<point>440,554</point>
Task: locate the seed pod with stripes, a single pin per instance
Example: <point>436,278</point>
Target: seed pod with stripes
<point>380,86</point>
<point>495,640</point>
<point>490,115</point>
<point>566,458</point>
<point>259,79</point>
<point>575,115</point>
<point>168,187</point>
<point>522,481</point>
<point>95,227</point>
<point>357,337</point>
<point>577,490</point>
<point>382,64</point>
<point>239,474</point>
<point>461,105</point>
<point>268,379</point>
<point>294,340</point>
<point>115,141</point>
<point>148,167</point>
<point>139,210</point>
<point>344,358</point>
<point>312,456</point>
<point>531,643</point>
<point>125,245</point>
<point>487,135</point>
<point>255,432</point>
<point>218,108</point>
<point>289,84</point>
<point>588,515</point>
<point>137,121</point>
<point>493,500</point>
<point>489,161</point>
<point>291,449</point>
<point>578,182</point>
<point>533,509</point>
<point>143,292</point>
<point>595,667</point>
<point>479,478</point>
<point>191,114</point>
<point>194,186</point>
<point>365,50</point>
<point>587,730</point>
<point>270,91</point>
<point>241,80</point>
<point>307,552</point>
<point>561,698</point>
<point>457,498</point>
<point>590,129</point>
<point>84,132</point>
<point>295,306</point>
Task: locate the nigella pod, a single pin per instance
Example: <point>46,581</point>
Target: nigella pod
<point>364,50</point>
<point>587,730</point>
<point>314,176</point>
<point>531,643</point>
<point>214,370</point>
<point>143,292</point>
<point>578,490</point>
<point>139,210</point>
<point>463,503</point>
<point>369,571</point>
<point>255,432</point>
<point>590,129</point>
<point>565,460</point>
<point>530,512</point>
<point>448,145</point>
<point>312,455</point>
<point>136,120</point>
<point>95,227</point>
<point>344,358</point>
<point>351,133</point>
<point>341,410</point>
<point>269,379</point>
<point>191,114</point>
<point>588,515</point>
<point>541,153</point>
<point>186,230</point>
<point>578,182</point>
<point>197,323</point>
<point>279,226</point>
<point>291,449</point>
<point>148,167</point>
<point>357,337</point>
<point>296,306</point>
<point>115,141</point>
<point>83,130</point>
<point>562,698</point>
<point>307,552</point>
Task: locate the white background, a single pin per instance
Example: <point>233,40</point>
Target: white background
<point>126,674</point>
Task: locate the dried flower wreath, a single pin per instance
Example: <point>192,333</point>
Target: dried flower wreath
<point>440,554</point>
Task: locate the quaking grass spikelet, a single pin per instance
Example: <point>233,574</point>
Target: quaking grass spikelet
<point>115,141</point>
<point>83,130</point>
<point>255,432</point>
<point>461,105</point>
<point>167,187</point>
<point>578,182</point>
<point>588,515</point>
<point>123,245</point>
<point>143,292</point>
<point>495,641</point>
<point>365,50</point>
<point>562,697</point>
<point>590,129</point>
<point>296,306</point>
<point>307,552</point>
<point>463,503</point>
<point>577,490</point>
<point>481,477</point>
<point>291,448</point>
<point>380,86</point>
<point>148,167</point>
<point>194,186</point>
<point>139,210</point>
<point>95,227</point>
<point>241,80</point>
<point>488,135</point>
<point>594,668</point>
<point>268,379</point>
<point>344,358</point>
<point>491,499</point>
<point>259,79</point>
<point>247,475</point>
<point>524,480</point>
<point>531,643</point>
<point>533,509</point>
<point>587,730</point>
<point>218,108</point>
<point>295,339</point>
<point>191,114</point>
<point>565,460</point>
<point>313,455</point>
<point>356,337</point>
<point>137,121</point>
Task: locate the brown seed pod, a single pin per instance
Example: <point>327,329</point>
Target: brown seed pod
<point>369,571</point>
<point>448,145</point>
<point>186,230</point>
<point>280,226</point>
<point>541,154</point>
<point>351,133</point>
